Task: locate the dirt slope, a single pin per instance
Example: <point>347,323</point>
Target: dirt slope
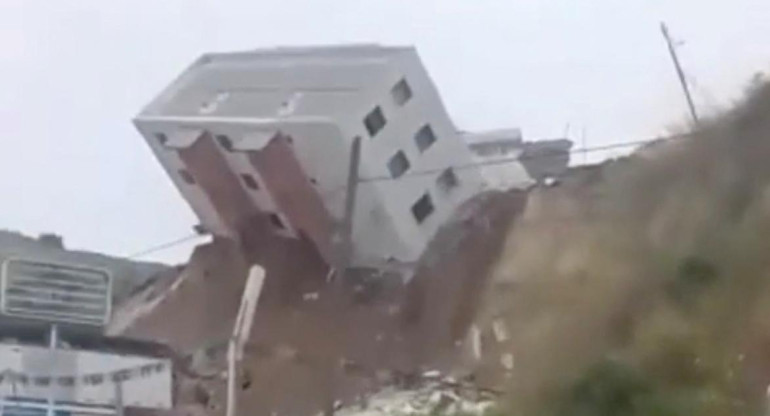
<point>378,331</point>
<point>652,268</point>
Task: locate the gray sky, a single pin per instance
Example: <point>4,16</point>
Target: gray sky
<point>73,74</point>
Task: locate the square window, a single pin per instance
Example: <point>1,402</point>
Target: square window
<point>422,208</point>
<point>447,181</point>
<point>225,142</point>
<point>249,181</point>
<point>186,176</point>
<point>374,121</point>
<point>424,138</point>
<point>398,164</point>
<point>401,92</point>
<point>161,138</point>
<point>276,220</point>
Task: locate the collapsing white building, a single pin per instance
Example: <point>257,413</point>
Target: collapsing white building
<point>262,140</point>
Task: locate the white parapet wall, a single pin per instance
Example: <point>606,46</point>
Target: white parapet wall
<point>84,378</point>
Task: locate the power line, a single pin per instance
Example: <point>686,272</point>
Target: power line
<point>164,246</point>
<point>503,161</point>
<point>473,165</point>
<point>480,164</point>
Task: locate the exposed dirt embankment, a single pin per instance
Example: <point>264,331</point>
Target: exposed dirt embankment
<point>376,331</point>
<point>643,283</point>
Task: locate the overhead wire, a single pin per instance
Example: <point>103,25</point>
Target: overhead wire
<point>503,161</point>
<point>164,246</point>
<point>472,165</point>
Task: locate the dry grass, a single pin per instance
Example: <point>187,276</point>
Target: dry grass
<point>658,264</point>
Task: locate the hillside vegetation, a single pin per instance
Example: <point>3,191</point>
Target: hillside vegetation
<point>642,287</point>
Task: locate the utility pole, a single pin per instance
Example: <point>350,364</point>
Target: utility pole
<point>343,243</point>
<point>679,72</point>
<point>350,207</point>
<point>241,332</point>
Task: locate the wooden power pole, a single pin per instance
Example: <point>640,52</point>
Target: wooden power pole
<point>679,72</point>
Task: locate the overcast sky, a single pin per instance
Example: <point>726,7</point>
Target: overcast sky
<point>74,73</point>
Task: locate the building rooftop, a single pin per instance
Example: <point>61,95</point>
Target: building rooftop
<point>328,77</point>
<point>497,135</point>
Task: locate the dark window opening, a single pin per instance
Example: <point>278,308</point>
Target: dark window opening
<point>398,164</point>
<point>401,92</point>
<point>275,219</point>
<point>374,121</point>
<point>447,180</point>
<point>249,181</point>
<point>186,176</point>
<point>422,208</point>
<point>424,138</point>
<point>70,381</point>
<point>225,142</point>
<point>162,138</point>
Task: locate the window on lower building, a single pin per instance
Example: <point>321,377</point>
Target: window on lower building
<point>276,220</point>
<point>161,138</point>
<point>447,180</point>
<point>422,208</point>
<point>374,121</point>
<point>186,176</point>
<point>401,92</point>
<point>225,142</point>
<point>249,181</point>
<point>398,164</point>
<point>424,138</point>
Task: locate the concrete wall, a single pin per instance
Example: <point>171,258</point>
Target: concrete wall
<point>222,186</point>
<point>391,200</point>
<point>294,194</point>
<point>170,160</point>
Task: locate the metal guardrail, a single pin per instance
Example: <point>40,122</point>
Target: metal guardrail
<point>13,377</point>
<point>21,406</point>
<point>25,407</point>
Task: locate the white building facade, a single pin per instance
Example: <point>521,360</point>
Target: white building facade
<point>265,110</point>
<point>54,359</point>
<point>497,152</point>
<point>81,382</point>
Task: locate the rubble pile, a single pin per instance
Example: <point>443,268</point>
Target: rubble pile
<point>432,394</point>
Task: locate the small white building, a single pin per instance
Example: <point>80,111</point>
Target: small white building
<point>266,135</point>
<point>506,161</point>
<point>497,152</point>
<point>35,378</point>
<point>53,358</point>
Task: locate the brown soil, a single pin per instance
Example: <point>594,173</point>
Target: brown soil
<point>375,330</point>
